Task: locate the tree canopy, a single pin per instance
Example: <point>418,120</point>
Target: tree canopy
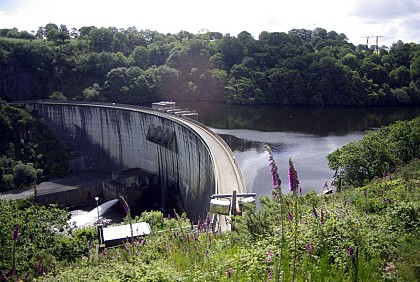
<point>301,67</point>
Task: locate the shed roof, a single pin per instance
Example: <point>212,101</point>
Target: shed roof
<point>122,232</point>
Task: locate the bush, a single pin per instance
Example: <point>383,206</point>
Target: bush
<point>58,96</point>
<point>379,151</point>
<point>24,174</point>
<point>7,182</point>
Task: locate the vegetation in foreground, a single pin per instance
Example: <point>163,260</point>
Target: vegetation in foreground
<point>367,232</point>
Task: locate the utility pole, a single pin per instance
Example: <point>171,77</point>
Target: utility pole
<point>367,40</point>
<point>377,42</point>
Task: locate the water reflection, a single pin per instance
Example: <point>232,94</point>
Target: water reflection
<point>318,121</point>
<point>307,135</point>
<point>307,151</point>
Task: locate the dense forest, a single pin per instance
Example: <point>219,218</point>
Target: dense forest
<point>301,67</point>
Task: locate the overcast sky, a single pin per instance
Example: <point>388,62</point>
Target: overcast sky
<point>392,19</point>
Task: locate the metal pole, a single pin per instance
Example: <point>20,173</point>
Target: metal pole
<point>97,207</point>
<point>234,203</point>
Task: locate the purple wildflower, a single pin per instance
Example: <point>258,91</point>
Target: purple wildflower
<point>274,171</point>
<point>126,248</point>
<point>208,220</point>
<point>269,256</point>
<point>309,248</point>
<point>274,175</point>
<point>229,273</point>
<point>350,250</point>
<point>384,174</point>
<point>364,193</point>
<point>175,215</point>
<point>3,277</point>
<point>40,269</point>
<point>293,178</point>
<point>289,216</point>
<point>270,275</point>
<point>15,234</point>
<point>125,205</point>
<point>385,200</point>
<point>314,212</point>
<point>200,225</point>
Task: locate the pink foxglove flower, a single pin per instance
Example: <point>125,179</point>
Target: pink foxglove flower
<point>293,177</point>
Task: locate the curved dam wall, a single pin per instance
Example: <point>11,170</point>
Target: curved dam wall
<point>116,137</point>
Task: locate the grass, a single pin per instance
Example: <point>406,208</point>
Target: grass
<point>384,233</point>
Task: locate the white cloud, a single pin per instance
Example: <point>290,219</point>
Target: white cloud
<point>379,11</point>
<point>393,19</point>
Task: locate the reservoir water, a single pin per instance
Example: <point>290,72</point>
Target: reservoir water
<point>307,135</point>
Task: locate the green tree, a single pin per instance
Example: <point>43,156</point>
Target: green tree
<point>415,67</point>
<point>334,83</point>
<point>57,35</point>
<point>141,57</point>
<point>400,51</point>
<point>91,93</point>
<point>232,51</point>
<point>24,174</point>
<point>242,91</point>
<point>351,61</point>
<point>400,77</point>
<point>101,39</point>
<point>382,149</point>
<point>58,96</point>
<point>285,86</point>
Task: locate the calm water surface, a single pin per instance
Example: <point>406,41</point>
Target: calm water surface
<point>307,135</point>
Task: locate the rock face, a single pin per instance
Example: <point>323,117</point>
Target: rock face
<point>113,138</point>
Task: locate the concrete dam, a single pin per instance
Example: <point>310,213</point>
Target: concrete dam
<point>190,160</point>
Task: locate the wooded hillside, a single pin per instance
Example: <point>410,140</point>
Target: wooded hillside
<point>301,67</point>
